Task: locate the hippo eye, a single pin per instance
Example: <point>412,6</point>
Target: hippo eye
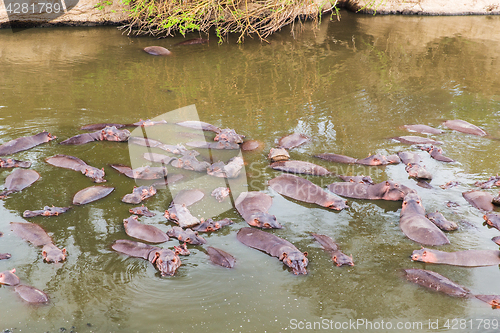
<point>1,276</point>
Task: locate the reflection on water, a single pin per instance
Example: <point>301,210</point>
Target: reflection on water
<point>349,86</point>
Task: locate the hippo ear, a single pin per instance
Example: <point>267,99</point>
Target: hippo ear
<point>283,256</point>
<point>305,254</point>
<point>387,183</point>
<point>13,270</point>
<point>157,255</point>
<point>176,250</point>
<point>64,251</point>
<point>44,254</point>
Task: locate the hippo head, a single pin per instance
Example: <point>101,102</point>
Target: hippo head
<point>334,203</point>
<point>264,221</point>
<point>111,133</point>
<point>52,254</point>
<point>296,260</point>
<point>376,159</point>
<point>182,249</point>
<point>412,202</point>
<point>341,259</point>
<point>9,278</point>
<point>393,191</point>
<point>191,237</point>
<point>94,173</point>
<point>229,135</point>
<point>165,260</point>
<point>493,220</point>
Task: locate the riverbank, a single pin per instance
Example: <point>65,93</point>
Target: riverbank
<point>96,12</point>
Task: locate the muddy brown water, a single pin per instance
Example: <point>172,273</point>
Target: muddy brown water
<point>349,86</point>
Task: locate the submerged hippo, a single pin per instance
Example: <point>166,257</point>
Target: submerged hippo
<point>150,143</point>
<point>213,145</point>
<point>220,193</point>
<point>424,129</point>
<point>18,180</point>
<point>157,51</point>
<point>416,140</point>
<point>437,153</point>
<point>35,234</point>
<point>229,135</point>
<point>387,190</point>
<point>188,236</point>
<point>220,257</point>
<point>210,225</point>
<point>468,258</point>
<point>11,163</point>
<point>480,200</point>
<point>179,214</point>
<point>200,125</point>
<point>492,181</point>
<point>338,257</point>
<point>303,190</point>
<point>373,160</point>
<point>230,170</point>
<point>165,260</point>
<point>25,143</point>
<point>407,157</point>
<point>464,127</point>
<point>276,247</point>
<point>436,282</point>
<point>139,194</point>
<point>416,226</point>
<point>252,145</point>
<point>357,179</point>
<point>142,210</point>
<point>188,161</point>
<point>301,167</point>
<point>8,278</point>
<point>493,220</point>
<point>441,222</point>
<point>46,211</point>
<point>109,133</point>
<point>91,194</point>
<point>144,173</point>
<point>193,41</point>
<point>292,141</point>
<point>254,207</point>
<point>188,197</point>
<point>76,164</point>
<point>147,233</point>
<point>417,171</point>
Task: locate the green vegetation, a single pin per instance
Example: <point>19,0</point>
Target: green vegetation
<point>243,17</point>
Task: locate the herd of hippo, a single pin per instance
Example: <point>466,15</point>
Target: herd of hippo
<point>425,229</point>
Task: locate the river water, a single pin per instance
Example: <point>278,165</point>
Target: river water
<point>349,86</point>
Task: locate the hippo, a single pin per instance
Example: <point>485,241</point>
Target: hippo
<point>230,170</point>
<point>150,143</point>
<point>493,220</point>
<point>450,184</point>
<point>437,153</point>
<point>436,282</point>
<point>480,200</point>
<point>417,171</point>
<point>496,239</point>
<point>416,140</point>
<point>8,278</point>
<point>142,210</point>
<point>492,181</point>
<point>468,258</point>
<point>145,173</point>
<point>188,197</point>
<point>493,300</point>
<point>199,125</point>
<point>178,213</point>
<point>407,157</point>
<point>303,190</point>
<point>158,158</point>
<point>386,190</point>
<point>76,164</point>
<point>149,122</point>
<point>464,127</point>
<point>193,41</point>
<point>220,257</point>
<point>11,163</point>
<point>165,260</point>
<point>220,193</point>
<point>441,222</point>
<point>109,133</point>
<point>46,211</point>
<point>278,154</point>
<point>301,167</point>
<point>372,160</point>
<point>4,256</point>
<point>213,145</point>
<point>416,226</point>
<point>182,249</point>
<point>18,180</point>
<point>276,247</point>
<point>147,233</point>
<point>424,129</point>
<point>253,207</point>
<point>229,135</point>
<point>292,141</point>
<point>188,161</point>
<point>139,194</point>
<point>35,234</point>
<point>211,225</point>
<point>25,143</point>
<point>188,236</point>
<point>100,126</point>
<point>357,179</point>
<point>252,145</point>
<point>332,248</point>
<point>157,51</point>
<point>91,194</point>
<point>31,294</point>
